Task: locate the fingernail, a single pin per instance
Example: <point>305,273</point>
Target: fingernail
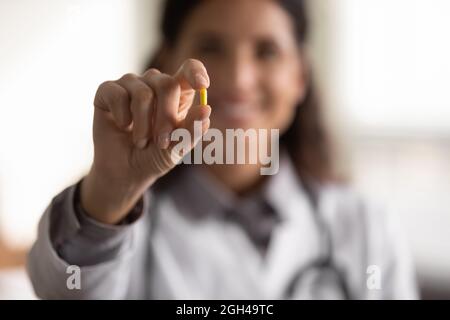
<point>142,143</point>
<point>201,80</point>
<point>164,140</point>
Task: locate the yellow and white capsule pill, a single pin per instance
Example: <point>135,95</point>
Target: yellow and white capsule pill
<point>203,97</point>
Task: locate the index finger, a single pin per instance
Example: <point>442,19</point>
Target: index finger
<point>192,75</point>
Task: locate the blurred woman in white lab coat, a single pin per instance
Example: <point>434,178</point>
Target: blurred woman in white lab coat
<point>140,226</point>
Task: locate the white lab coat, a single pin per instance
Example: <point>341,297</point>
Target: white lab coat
<point>346,247</point>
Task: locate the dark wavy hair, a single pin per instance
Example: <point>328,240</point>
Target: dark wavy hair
<point>307,140</point>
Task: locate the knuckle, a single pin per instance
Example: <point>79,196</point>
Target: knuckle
<point>106,93</point>
<point>151,72</point>
<point>128,77</point>
<point>106,84</point>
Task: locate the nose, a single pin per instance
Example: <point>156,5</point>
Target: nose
<point>241,74</point>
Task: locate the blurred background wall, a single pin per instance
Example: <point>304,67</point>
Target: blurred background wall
<point>53,56</point>
<point>382,65</point>
<point>385,70</point>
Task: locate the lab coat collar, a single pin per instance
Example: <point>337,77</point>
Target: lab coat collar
<point>206,197</point>
<point>295,240</point>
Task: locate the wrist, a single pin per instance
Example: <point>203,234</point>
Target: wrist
<point>109,200</point>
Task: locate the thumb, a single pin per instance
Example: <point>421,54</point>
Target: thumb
<point>184,138</point>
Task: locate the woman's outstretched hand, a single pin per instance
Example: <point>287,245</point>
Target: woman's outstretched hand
<point>133,120</point>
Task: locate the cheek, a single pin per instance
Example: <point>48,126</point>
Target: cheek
<point>283,93</point>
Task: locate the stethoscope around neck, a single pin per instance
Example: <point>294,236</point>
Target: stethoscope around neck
<point>324,261</point>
